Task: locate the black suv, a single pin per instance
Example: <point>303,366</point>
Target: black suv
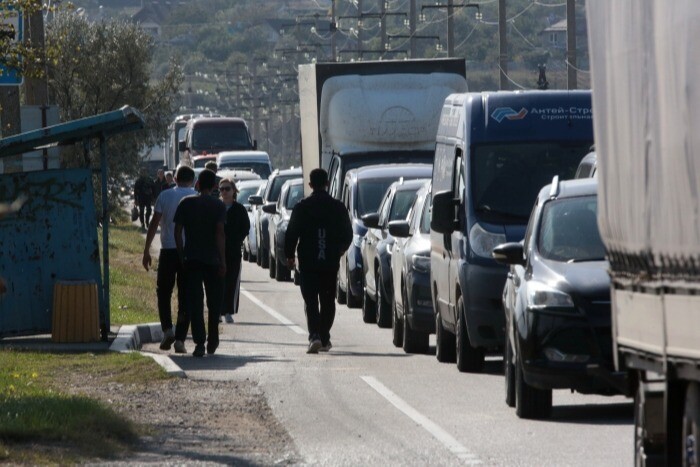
<point>557,302</point>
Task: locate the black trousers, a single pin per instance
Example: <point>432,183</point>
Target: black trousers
<point>170,271</point>
<point>318,289</point>
<point>232,285</point>
<point>196,275</point>
<point>147,208</point>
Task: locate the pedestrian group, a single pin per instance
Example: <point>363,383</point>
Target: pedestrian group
<point>201,233</point>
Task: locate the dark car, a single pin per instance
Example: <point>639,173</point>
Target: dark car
<point>270,196</point>
<point>376,250</point>
<point>279,214</point>
<point>413,317</point>
<point>557,302</point>
<point>363,190</point>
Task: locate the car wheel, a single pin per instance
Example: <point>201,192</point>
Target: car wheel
<point>444,342</point>
<point>383,316</point>
<point>297,277</point>
<point>469,359</point>
<point>509,371</point>
<point>340,296</point>
<point>273,266</point>
<point>353,301</point>
<point>369,308</point>
<point>245,254</point>
<point>258,257</point>
<point>396,327</point>
<point>252,258</point>
<point>265,260</point>
<point>530,402</point>
<point>281,271</point>
<point>413,341</point>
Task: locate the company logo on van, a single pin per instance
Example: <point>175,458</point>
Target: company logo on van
<point>506,112</point>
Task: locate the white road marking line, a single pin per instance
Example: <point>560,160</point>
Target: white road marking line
<point>431,427</point>
<point>273,313</point>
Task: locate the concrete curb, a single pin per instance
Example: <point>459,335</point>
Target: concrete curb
<point>130,338</point>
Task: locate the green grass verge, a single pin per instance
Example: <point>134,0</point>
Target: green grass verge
<point>41,424</point>
<point>132,288</point>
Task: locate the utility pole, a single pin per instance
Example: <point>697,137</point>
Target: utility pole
<point>412,27</point>
<point>450,28</point>
<point>382,19</point>
<point>334,29</point>
<point>359,27</point>
<point>36,90</point>
<point>571,44</point>
<point>502,45</point>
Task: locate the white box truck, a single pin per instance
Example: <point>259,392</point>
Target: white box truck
<point>368,113</point>
<point>646,100</point>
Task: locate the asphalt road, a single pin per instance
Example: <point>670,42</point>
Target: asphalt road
<point>368,403</point>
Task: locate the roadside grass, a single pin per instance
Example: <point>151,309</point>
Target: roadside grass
<point>39,423</point>
<point>132,288</point>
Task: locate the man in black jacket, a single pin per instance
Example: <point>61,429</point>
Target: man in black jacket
<point>321,226</point>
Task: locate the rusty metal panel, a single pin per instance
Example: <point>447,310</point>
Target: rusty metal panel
<point>53,237</point>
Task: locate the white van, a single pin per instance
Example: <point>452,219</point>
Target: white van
<point>257,161</point>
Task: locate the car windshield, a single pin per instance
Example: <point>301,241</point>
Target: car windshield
<point>220,136</point>
<point>425,216</point>
<point>296,193</point>
<point>370,193</point>
<point>244,193</point>
<point>276,188</point>
<point>506,178</point>
<point>569,230</point>
<point>260,168</point>
<point>403,200</point>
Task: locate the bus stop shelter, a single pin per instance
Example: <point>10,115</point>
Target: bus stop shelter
<point>54,234</point>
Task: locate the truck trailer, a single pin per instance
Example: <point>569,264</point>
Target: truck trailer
<point>368,113</point>
<point>646,101</point>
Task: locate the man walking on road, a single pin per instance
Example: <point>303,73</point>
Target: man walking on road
<point>321,226</point>
<point>169,266</point>
<point>201,218</point>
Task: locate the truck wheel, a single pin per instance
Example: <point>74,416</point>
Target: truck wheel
<point>469,359</point>
<point>383,311</point>
<point>444,342</point>
<point>530,402</point>
<point>396,327</point>
<point>691,426</point>
<point>353,301</point>
<point>369,308</point>
<point>648,451</point>
<point>340,296</point>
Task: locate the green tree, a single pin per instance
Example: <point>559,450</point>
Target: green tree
<point>101,67</point>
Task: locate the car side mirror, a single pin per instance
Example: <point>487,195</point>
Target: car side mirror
<point>181,146</point>
<point>255,200</point>
<point>443,215</point>
<point>270,208</point>
<point>509,253</point>
<point>399,229</point>
<point>371,221</point>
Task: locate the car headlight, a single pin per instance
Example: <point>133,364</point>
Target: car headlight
<point>541,296</point>
<point>357,240</point>
<point>420,263</point>
<point>483,242</point>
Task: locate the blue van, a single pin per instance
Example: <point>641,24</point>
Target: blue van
<point>493,154</point>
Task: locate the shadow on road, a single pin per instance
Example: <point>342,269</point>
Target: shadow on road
<point>595,414</point>
<point>220,362</point>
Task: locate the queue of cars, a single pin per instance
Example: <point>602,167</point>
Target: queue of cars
<point>455,248</point>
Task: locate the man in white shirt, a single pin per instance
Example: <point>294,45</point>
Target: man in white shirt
<point>170,268</point>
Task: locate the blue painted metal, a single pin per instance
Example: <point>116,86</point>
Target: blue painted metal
<point>53,237</point>
<point>98,126</point>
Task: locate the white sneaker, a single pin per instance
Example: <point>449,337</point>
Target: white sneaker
<point>180,347</point>
<point>314,346</point>
<point>168,339</point>
<point>229,318</point>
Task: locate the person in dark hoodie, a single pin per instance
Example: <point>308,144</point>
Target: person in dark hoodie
<point>321,227</point>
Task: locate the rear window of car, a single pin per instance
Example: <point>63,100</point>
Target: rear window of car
<point>370,193</point>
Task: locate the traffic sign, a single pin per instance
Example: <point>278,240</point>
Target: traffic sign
<point>11,26</point>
